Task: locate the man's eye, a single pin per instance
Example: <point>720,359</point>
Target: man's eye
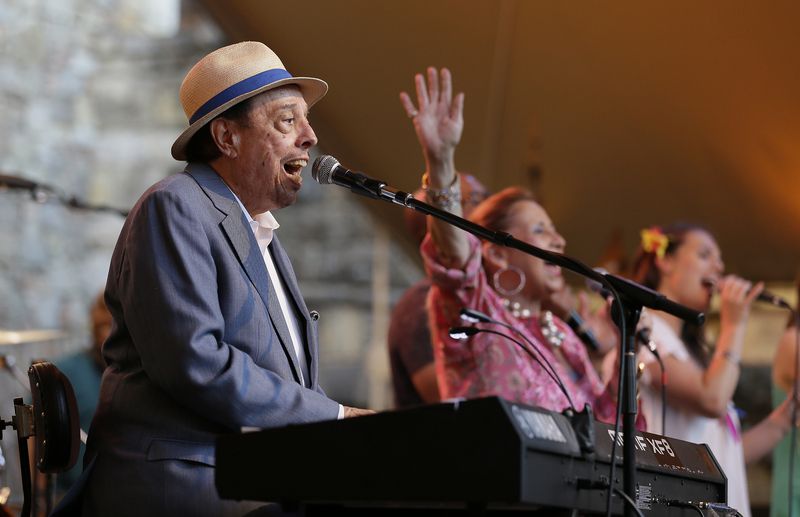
<point>289,120</point>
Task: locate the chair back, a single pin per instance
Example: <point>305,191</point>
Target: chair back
<point>56,423</point>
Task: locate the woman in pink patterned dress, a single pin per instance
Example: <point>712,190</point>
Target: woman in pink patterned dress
<point>506,284</point>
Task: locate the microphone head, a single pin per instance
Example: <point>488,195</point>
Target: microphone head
<point>460,333</point>
<point>322,170</point>
<point>773,299</point>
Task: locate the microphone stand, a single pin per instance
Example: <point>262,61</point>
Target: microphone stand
<point>631,297</point>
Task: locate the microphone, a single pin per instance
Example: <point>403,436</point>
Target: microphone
<point>763,296</point>
<point>582,330</point>
<point>461,333</point>
<point>327,170</point>
<point>643,337</point>
<point>473,316</point>
<point>773,299</point>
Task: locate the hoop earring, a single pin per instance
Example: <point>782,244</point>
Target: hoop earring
<point>508,293</point>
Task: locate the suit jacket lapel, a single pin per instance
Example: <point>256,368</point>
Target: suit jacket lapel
<point>284,267</point>
<point>244,244</point>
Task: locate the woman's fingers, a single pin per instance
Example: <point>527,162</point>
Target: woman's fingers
<point>422,91</point>
<point>433,84</point>
<point>405,100</point>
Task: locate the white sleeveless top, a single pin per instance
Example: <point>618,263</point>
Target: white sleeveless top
<point>722,435</point>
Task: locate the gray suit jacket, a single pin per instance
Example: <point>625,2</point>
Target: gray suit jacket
<point>199,347</point>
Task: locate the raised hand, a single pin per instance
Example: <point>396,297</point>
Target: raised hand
<point>438,119</point>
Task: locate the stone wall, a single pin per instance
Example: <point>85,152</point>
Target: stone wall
<point>89,104</point>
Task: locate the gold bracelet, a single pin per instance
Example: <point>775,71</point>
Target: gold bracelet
<point>446,198</point>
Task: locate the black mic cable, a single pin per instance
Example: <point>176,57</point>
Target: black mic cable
<point>643,336</point>
<point>582,421</point>
<point>475,316</point>
<point>460,333</point>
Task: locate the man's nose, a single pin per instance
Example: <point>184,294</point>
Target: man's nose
<point>307,138</point>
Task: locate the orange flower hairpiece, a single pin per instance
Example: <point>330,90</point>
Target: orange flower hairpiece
<point>654,241</point>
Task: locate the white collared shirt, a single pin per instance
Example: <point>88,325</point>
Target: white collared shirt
<point>263,226</point>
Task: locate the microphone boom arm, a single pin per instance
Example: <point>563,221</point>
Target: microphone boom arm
<point>628,289</point>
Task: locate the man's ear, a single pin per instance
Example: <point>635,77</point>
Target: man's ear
<point>225,135</point>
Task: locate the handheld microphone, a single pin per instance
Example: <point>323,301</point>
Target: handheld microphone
<point>763,296</point>
<point>773,299</point>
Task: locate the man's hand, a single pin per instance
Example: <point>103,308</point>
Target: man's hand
<point>350,412</point>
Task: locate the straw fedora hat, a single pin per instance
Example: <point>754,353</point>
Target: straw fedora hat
<point>230,75</point>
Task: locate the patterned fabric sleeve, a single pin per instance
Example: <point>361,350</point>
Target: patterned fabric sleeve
<point>458,363</point>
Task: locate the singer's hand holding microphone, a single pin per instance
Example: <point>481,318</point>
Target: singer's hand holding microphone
<point>736,296</point>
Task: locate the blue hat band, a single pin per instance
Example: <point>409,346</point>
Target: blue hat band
<point>242,87</point>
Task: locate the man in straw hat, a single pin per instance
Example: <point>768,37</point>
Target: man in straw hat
<point>211,333</point>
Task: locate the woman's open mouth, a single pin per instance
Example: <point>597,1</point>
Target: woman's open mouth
<point>553,268</point>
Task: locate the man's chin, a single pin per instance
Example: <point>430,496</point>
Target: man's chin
<point>287,197</point>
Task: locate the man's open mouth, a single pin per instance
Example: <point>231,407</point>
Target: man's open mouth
<point>294,166</point>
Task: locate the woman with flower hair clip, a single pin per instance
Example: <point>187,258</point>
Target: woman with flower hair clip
<point>683,262</point>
